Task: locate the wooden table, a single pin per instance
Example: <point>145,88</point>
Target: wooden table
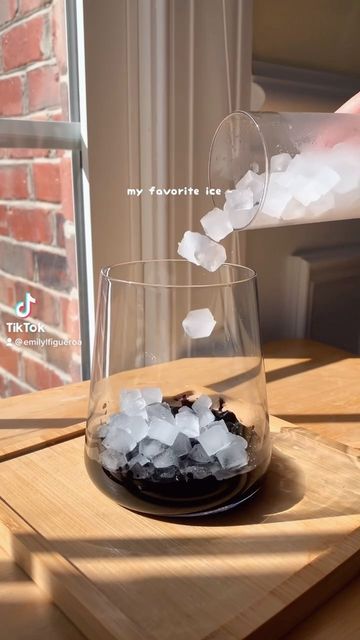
<point>309,384</point>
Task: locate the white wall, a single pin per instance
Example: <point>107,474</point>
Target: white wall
<point>267,251</point>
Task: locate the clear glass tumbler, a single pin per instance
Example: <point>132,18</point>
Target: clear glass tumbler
<point>286,168</point>
<point>178,421</point>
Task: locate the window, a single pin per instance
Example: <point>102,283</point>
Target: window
<point>44,339</point>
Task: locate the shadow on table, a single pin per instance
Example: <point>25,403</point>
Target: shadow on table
<point>40,423</point>
<point>298,418</point>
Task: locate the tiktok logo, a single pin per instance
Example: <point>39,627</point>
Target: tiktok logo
<point>23,307</point>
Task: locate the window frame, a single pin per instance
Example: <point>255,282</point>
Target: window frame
<point>71,136</point>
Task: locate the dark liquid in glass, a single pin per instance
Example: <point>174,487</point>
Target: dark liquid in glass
<point>182,496</point>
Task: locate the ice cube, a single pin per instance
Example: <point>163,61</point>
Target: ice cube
<point>151,395</point>
<point>200,472</point>
<point>162,411</point>
<point>188,246</point>
<point>139,459</point>
<point>141,472</point>
<point>165,459</point>
<point>349,172</point>
<point>306,190</point>
<point>209,254</point>
<point>112,460</point>
<point>119,440</point>
<point>137,427</point>
<point>187,422</point>
<point>118,421</point>
<point>200,250</point>
<point>151,448</point>
<point>240,198</point>
<point>201,403</point>
<point>233,455</point>
<point>254,181</point>
<point>216,224</point>
<point>199,323</point>
<point>163,431</point>
<point>240,218</point>
<point>296,211</point>
<point>277,198</point>
<point>327,178</point>
<point>131,402</point>
<point>182,445</point>
<point>280,162</point>
<point>206,417</point>
<point>199,454</point>
<point>324,205</point>
<point>215,438</point>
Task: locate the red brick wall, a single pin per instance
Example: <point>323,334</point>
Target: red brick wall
<point>37,233</point>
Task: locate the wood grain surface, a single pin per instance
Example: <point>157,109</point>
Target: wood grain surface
<point>26,611</point>
<point>309,384</point>
<point>316,387</point>
<point>251,574</point>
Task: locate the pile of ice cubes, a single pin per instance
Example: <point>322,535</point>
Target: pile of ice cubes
<point>148,440</point>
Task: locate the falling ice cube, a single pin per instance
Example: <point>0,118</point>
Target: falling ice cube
<point>188,423</point>
<point>165,459</point>
<point>215,438</point>
<point>137,427</point>
<point>120,440</point>
<point>240,218</point>
<point>151,448</point>
<point>131,401</point>
<point>201,403</point>
<point>182,445</point>
<point>112,460</point>
<point>201,250</point>
<point>151,395</point>
<point>188,245</point>
<point>163,431</point>
<point>199,323</point>
<point>234,455</point>
<point>216,224</point>
<point>209,254</point>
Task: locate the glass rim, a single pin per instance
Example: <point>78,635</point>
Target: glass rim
<point>105,273</point>
<point>251,116</point>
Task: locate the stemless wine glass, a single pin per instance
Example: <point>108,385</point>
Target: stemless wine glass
<point>178,421</point>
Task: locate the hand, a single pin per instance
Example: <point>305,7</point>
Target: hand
<point>351,106</point>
